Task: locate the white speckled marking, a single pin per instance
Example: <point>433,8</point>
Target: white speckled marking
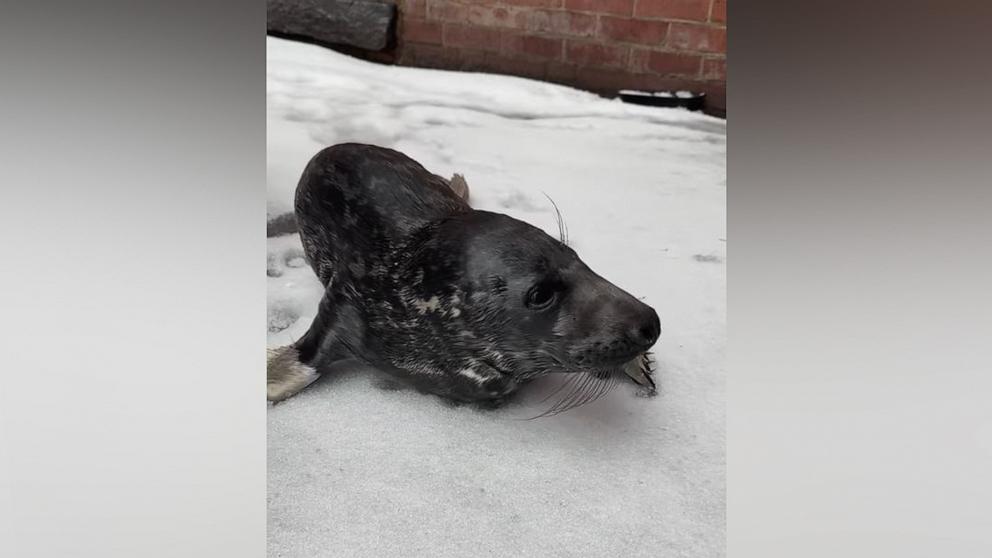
<point>430,305</point>
<point>472,374</point>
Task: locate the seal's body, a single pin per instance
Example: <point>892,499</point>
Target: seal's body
<point>464,303</point>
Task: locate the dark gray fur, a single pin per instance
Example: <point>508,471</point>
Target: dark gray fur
<point>463,303</point>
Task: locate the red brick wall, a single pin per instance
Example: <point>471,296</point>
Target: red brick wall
<point>599,45</point>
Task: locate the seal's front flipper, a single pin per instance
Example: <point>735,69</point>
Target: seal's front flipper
<point>640,371</point>
<point>286,375</point>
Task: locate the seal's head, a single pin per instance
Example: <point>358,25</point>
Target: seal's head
<point>525,304</point>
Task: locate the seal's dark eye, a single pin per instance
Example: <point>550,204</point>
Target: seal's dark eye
<point>541,295</point>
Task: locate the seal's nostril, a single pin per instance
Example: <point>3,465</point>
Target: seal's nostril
<point>649,331</point>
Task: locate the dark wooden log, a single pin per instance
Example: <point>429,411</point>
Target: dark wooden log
<point>366,24</point>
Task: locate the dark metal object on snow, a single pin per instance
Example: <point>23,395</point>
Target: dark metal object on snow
<point>684,99</point>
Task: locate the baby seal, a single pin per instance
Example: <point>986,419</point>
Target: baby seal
<point>462,303</point>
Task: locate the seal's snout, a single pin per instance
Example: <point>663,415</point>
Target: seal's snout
<point>646,329</point>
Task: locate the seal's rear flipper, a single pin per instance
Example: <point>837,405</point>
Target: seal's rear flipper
<point>286,375</point>
<point>459,186</point>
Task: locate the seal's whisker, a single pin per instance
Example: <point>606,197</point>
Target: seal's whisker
<point>562,228</point>
<point>590,382</point>
<point>564,384</point>
<point>595,391</point>
<point>575,387</point>
<point>588,389</point>
<point>569,402</point>
<point>607,387</point>
<point>559,407</point>
<point>564,225</point>
<point>592,391</point>
<point>567,383</point>
<point>604,388</point>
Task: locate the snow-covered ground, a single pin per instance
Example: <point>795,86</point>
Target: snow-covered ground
<point>355,469</point>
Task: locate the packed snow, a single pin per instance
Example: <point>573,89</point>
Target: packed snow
<point>359,467</point>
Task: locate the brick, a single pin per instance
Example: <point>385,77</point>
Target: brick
<point>561,72</point>
<point>663,63</point>
<point>539,47</point>
<point>716,99</point>
<point>472,60</point>
<point>633,30</point>
<point>421,31</point>
<point>488,16</point>
<point>673,63</point>
<point>445,10</point>
<point>414,8</point>
<point>556,22</point>
<point>654,82</point>
<point>470,36</point>
<point>714,69</point>
<point>718,13</point>
<point>598,55</point>
<point>702,38</point>
<point>429,56</point>
<point>515,66</point>
<point>534,3</point>
<point>601,80</point>
<point>695,10</point>
<point>616,7</point>
<point>638,60</point>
